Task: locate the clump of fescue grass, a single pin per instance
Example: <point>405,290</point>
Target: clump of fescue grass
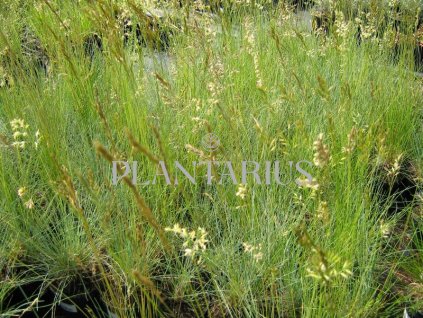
<point>270,90</point>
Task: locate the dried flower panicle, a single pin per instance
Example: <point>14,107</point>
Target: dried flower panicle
<point>341,26</point>
<point>324,267</point>
<point>20,134</point>
<point>254,250</point>
<point>29,204</point>
<point>323,212</point>
<point>329,268</point>
<point>321,152</point>
<point>368,25</point>
<point>37,139</point>
<point>351,142</point>
<point>18,124</point>
<point>308,184</point>
<point>385,229</point>
<point>251,49</point>
<point>21,192</point>
<point>195,242</point>
<point>19,128</point>
<point>298,200</point>
<point>215,86</point>
<point>27,200</point>
<point>242,191</point>
<point>394,170</point>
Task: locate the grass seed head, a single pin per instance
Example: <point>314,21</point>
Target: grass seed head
<point>321,152</point>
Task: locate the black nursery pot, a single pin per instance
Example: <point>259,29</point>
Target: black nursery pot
<point>78,299</point>
<point>20,296</point>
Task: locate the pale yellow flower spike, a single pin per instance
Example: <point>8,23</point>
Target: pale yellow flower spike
<point>321,152</point>
<point>21,191</point>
